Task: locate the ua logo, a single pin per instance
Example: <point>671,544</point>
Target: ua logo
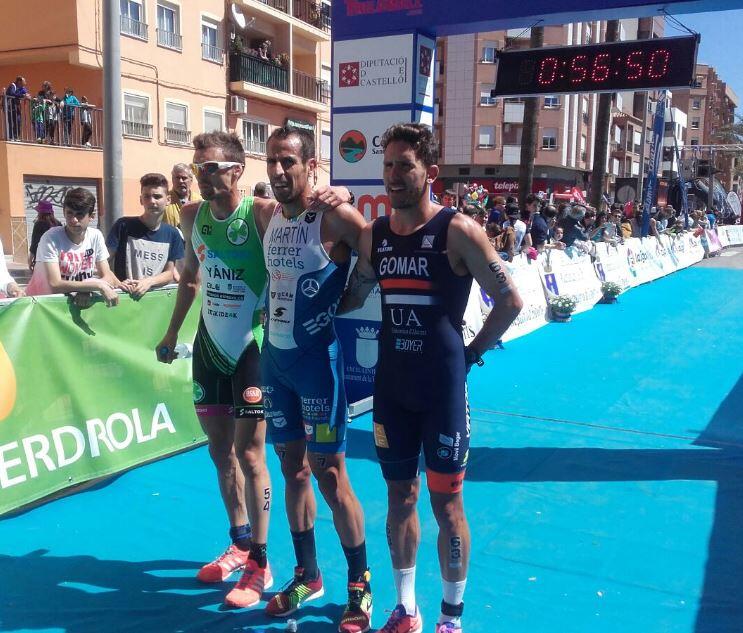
<point>404,316</point>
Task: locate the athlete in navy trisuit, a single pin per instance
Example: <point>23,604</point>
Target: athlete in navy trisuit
<point>424,257</point>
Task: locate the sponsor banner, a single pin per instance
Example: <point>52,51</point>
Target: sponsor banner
<point>685,247</point>
<point>358,332</point>
<point>376,70</point>
<point>574,276</point>
<point>424,55</point>
<point>730,235</point>
<point>640,261</point>
<point>357,154</point>
<point>526,276</point>
<point>713,241</point>
<point>88,398</point>
<point>611,264</point>
<point>473,314</point>
<point>654,160</point>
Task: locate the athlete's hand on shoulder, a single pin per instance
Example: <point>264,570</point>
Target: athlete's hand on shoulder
<point>331,196</point>
<point>164,350</point>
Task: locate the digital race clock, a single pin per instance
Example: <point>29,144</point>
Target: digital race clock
<point>609,67</point>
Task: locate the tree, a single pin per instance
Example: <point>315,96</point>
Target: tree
<point>529,131</point>
<point>601,139</point>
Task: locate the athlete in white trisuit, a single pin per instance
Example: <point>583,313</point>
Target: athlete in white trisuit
<point>307,255</point>
<point>224,255</point>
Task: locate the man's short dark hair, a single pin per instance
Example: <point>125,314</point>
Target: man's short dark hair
<point>420,137</point>
<point>79,200</point>
<point>549,211</point>
<point>228,141</point>
<point>153,180</point>
<point>512,209</point>
<point>530,198</point>
<point>260,190</point>
<point>510,199</point>
<point>306,138</point>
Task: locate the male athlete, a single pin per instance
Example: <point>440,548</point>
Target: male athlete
<point>307,255</point>
<point>224,253</point>
<point>424,257</point>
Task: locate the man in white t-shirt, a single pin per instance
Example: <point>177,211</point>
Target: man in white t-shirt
<point>519,227</point>
<point>73,257</point>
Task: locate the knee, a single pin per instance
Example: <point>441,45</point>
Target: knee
<point>329,483</point>
<point>222,453</point>
<point>296,474</point>
<point>450,514</point>
<point>402,497</point>
<point>252,461</point>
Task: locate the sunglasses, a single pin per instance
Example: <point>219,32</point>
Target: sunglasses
<point>211,167</point>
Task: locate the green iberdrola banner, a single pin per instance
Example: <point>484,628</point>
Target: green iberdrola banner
<point>82,395</point>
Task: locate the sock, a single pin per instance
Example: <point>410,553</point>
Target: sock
<point>258,554</point>
<point>452,605</point>
<point>304,550</point>
<point>240,535</point>
<point>405,587</point>
<point>356,559</point>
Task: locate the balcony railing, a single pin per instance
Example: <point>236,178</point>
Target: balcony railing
<point>310,87</point>
<point>168,39</point>
<point>311,13</point>
<point>255,70</point>
<point>177,136</point>
<point>133,28</point>
<point>254,147</point>
<point>136,128</point>
<point>281,5</point>
<point>211,53</point>
<point>40,122</point>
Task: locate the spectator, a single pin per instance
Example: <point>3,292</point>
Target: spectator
<point>519,227</point>
<point>712,217</point>
<point>180,193</point>
<point>8,286</point>
<point>73,257</point>
<point>144,249</point>
<point>476,213</point>
<point>574,227</point>
<point>540,226</point>
<point>636,221</point>
<point>597,232</point>
<point>503,240</point>
<point>52,117</point>
<point>86,122</point>
<point>261,190</point>
<point>38,116</point>
<point>15,94</point>
<point>498,211</point>
<point>525,216</point>
<point>45,220</point>
<point>68,114</point>
<point>614,224</point>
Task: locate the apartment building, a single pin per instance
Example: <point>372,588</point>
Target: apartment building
<point>481,136</point>
<point>187,68</point>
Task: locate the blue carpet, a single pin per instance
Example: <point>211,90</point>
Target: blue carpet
<point>605,493</point>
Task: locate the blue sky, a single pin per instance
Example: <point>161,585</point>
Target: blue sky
<point>722,32</point>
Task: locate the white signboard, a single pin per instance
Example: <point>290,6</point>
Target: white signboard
<point>730,234</point>
<point>424,71</point>
<point>373,71</point>
<point>573,276</point>
<point>611,264</point>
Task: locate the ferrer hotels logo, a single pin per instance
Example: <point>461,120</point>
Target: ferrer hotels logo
<point>371,7</point>
<point>7,384</point>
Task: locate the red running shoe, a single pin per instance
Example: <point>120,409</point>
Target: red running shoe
<point>248,590</point>
<point>401,622</point>
<point>224,566</point>
<point>295,594</point>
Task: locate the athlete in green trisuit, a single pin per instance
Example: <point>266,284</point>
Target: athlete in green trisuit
<point>224,254</point>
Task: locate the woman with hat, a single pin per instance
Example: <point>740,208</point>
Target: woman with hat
<point>44,221</point>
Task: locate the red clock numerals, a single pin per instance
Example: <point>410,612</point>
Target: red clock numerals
<point>634,65</point>
<point>548,71</point>
<point>578,69</point>
<point>658,64</point>
<point>601,67</point>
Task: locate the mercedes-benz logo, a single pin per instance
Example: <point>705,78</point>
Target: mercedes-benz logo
<point>310,287</point>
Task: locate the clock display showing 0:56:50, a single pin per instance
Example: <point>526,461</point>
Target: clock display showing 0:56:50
<point>605,67</point>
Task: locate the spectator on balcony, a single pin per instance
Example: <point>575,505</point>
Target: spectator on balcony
<point>261,190</point>
<point>45,220</point>
<point>15,94</point>
<point>86,122</point>
<point>263,50</point>
<point>8,286</point>
<point>144,249</point>
<point>52,117</point>
<point>73,257</point>
<point>180,193</point>
<point>38,116</point>
<point>68,114</point>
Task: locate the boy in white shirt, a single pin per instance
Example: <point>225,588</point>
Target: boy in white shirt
<point>73,257</point>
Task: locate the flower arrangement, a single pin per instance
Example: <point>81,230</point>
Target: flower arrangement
<point>562,306</point>
<point>610,290</point>
<point>476,194</point>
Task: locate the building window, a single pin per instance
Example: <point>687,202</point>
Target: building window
<point>325,145</point>
<point>136,116</point>
<point>487,137</point>
<point>694,141</point>
<point>635,168</point>
<point>169,26</point>
<point>695,123</point>
<point>698,81</point>
<point>255,134</point>
<point>551,101</point>
<point>211,50</point>
<point>485,98</point>
<point>213,121</point>
<point>696,104</point>
<point>583,141</point>
<point>488,53</point>
<point>549,138</point>
<point>132,18</point>
<point>176,124</point>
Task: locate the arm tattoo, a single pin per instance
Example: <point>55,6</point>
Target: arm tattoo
<point>358,282</point>
<point>500,276</point>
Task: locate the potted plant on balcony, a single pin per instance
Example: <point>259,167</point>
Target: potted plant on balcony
<point>610,290</point>
<point>562,307</point>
